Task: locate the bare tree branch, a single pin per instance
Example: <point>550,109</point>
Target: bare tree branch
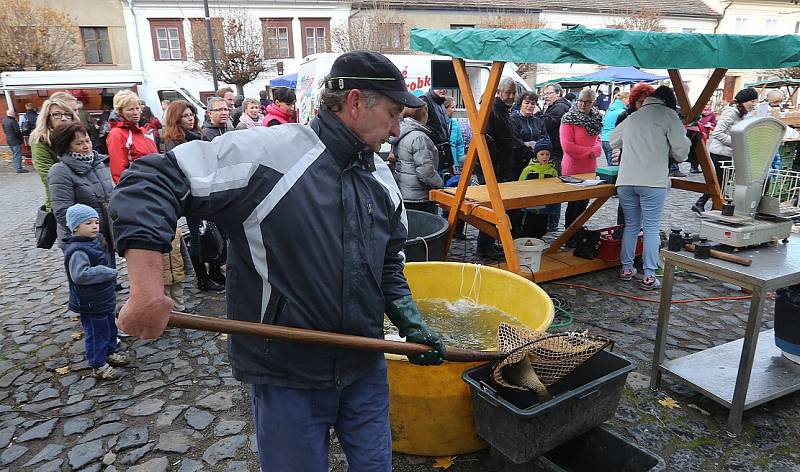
<point>376,28</point>
<point>638,19</point>
<point>37,37</point>
<point>527,19</point>
<point>239,48</point>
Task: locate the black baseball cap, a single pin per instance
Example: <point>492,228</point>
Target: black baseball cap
<point>365,70</point>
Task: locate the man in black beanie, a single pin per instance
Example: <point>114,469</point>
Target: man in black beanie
<point>316,230</point>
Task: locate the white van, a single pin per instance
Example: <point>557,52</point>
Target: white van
<point>416,68</point>
<point>93,87</point>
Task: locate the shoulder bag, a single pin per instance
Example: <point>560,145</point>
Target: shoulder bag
<point>44,229</point>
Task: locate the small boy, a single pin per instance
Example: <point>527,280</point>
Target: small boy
<point>175,271</point>
<point>534,220</point>
<point>91,290</point>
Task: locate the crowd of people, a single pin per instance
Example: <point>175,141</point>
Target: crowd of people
<point>65,147</point>
<point>566,136</point>
<point>243,209</point>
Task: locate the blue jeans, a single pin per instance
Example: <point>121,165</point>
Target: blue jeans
<point>16,155</point>
<point>100,337</point>
<point>293,425</point>
<point>607,151</point>
<point>642,207</point>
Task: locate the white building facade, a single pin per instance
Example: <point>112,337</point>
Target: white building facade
<point>164,37</point>
<point>761,17</point>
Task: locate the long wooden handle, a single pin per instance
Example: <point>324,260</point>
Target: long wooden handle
<point>724,256</point>
<point>309,336</point>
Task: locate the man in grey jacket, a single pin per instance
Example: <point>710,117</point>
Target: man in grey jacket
<point>316,231</point>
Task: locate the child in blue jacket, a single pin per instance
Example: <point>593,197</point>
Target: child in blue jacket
<point>91,290</point>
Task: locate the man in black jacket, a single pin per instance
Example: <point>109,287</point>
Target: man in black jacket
<point>501,142</point>
<point>316,231</point>
<point>14,139</point>
<point>218,122</point>
<point>555,107</point>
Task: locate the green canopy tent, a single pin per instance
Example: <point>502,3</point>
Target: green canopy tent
<point>573,82</point>
<point>613,47</point>
<point>792,85</point>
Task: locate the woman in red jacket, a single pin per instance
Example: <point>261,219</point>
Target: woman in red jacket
<point>127,141</point>
<point>281,110</point>
<point>580,139</point>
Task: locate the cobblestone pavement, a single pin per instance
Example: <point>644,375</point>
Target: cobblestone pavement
<point>177,407</point>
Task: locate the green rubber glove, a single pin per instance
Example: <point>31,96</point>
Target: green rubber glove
<point>404,314</point>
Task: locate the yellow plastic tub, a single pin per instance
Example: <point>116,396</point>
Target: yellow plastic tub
<point>430,410</point>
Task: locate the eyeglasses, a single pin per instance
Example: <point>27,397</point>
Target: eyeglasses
<point>217,110</point>
<point>60,116</point>
<point>586,102</point>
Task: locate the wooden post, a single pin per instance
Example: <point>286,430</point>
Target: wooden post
<point>711,185</point>
<point>479,120</point>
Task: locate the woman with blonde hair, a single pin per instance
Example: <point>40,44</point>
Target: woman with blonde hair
<point>55,112</point>
<point>251,114</point>
<point>127,141</point>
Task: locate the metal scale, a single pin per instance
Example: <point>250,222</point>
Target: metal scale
<point>749,218</point>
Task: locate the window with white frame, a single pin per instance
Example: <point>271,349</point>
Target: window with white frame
<point>315,36</point>
<point>278,41</point>
<point>741,25</point>
<point>168,42</point>
<point>315,39</point>
<point>771,25</point>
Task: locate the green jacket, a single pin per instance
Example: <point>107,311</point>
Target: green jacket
<point>534,170</point>
<point>43,158</point>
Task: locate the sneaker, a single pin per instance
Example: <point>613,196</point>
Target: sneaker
<point>22,171</point>
<point>122,334</point>
<point>697,170</point>
<point>117,360</point>
<point>627,274</point>
<point>106,372</point>
<point>677,173</point>
<point>650,283</point>
<point>698,209</point>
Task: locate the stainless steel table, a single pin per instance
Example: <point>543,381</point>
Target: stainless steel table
<point>749,371</point>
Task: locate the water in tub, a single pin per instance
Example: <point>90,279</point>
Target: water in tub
<point>460,323</point>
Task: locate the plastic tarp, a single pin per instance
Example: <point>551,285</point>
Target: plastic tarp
<point>624,75</point>
<point>577,81</point>
<point>612,47</point>
<point>284,81</point>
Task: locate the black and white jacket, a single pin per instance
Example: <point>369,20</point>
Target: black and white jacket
<point>316,229</point>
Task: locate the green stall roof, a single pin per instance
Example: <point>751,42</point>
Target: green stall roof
<point>775,83</point>
<point>612,47</point>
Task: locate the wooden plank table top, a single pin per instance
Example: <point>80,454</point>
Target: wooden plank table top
<point>528,193</point>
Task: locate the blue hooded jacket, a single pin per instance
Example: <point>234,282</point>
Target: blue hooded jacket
<point>610,119</point>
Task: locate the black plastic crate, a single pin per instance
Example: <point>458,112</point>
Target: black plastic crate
<point>522,428</point>
<point>599,449</point>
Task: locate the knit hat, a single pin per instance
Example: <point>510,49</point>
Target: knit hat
<point>543,144</point>
<point>78,213</point>
<point>745,95</point>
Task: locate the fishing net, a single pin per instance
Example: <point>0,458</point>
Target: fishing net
<point>537,360</point>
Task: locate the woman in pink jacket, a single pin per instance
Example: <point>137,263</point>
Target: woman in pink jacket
<point>580,139</point>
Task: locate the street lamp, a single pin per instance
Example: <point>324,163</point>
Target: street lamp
<point>211,52</point>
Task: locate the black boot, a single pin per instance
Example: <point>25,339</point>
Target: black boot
<point>700,205</point>
<point>203,280</point>
<point>215,272</point>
